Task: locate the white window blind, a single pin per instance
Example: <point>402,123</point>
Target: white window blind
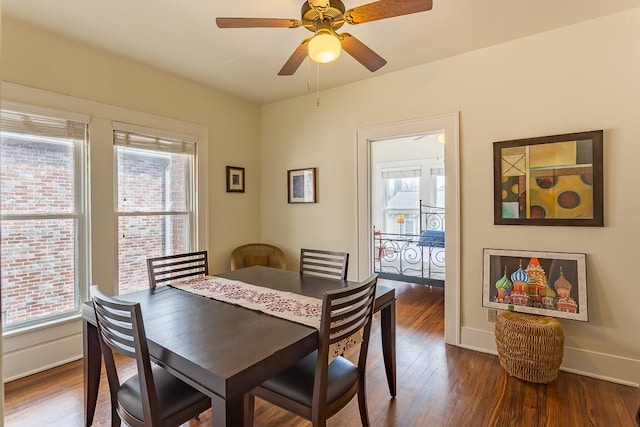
<point>403,173</point>
<point>33,125</point>
<point>139,137</point>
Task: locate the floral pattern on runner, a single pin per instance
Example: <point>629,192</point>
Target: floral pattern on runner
<point>294,307</point>
<point>285,305</point>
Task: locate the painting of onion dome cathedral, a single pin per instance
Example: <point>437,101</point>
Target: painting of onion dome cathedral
<point>545,283</point>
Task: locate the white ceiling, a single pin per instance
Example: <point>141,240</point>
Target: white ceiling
<point>181,37</point>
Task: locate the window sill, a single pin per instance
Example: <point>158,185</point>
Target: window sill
<point>27,329</point>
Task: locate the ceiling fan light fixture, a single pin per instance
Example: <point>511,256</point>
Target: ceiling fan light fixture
<point>324,47</point>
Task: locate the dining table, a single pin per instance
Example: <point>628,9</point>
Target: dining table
<point>222,349</point>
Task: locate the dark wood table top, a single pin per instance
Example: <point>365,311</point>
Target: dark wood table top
<point>224,349</point>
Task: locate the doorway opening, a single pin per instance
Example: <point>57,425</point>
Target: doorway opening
<point>408,208</point>
<point>448,125</point>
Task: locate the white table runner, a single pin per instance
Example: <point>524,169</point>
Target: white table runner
<point>285,305</point>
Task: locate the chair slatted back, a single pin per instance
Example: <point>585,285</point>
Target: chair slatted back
<point>345,311</point>
<point>163,270</point>
<point>327,264</point>
<point>121,330</point>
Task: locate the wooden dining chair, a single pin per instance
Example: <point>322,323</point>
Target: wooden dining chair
<point>162,270</point>
<point>315,388</point>
<point>257,254</point>
<point>152,397</point>
<point>327,264</point>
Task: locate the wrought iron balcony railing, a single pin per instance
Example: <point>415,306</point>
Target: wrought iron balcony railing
<point>411,257</point>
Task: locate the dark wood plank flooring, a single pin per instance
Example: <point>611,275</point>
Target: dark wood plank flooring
<point>438,385</point>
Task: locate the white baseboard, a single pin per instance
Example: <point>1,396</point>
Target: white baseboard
<point>608,367</point>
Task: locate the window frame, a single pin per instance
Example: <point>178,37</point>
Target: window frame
<point>408,167</point>
<point>190,185</point>
<point>80,217</point>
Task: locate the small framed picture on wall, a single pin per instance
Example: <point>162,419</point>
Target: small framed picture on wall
<point>235,179</point>
<point>301,185</point>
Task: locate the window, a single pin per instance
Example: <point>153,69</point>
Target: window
<point>401,194</point>
<point>154,202</point>
<point>43,208</point>
<point>437,187</point>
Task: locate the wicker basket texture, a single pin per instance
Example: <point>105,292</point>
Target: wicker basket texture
<point>530,347</point>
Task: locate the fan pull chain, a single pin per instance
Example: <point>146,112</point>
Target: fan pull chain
<point>308,75</point>
<point>317,84</point>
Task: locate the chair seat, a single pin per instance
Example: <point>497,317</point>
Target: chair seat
<point>296,382</point>
<point>173,395</point>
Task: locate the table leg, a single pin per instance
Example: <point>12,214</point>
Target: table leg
<point>91,368</point>
<point>227,412</point>
<point>388,332</point>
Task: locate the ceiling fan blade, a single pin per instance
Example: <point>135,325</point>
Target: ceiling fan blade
<point>257,23</point>
<point>361,52</point>
<point>294,61</point>
<point>385,9</point>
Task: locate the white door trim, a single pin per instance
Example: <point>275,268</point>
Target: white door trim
<point>449,123</point>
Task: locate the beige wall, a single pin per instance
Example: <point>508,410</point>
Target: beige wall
<point>577,78</point>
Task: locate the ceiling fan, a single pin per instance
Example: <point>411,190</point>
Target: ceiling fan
<point>323,18</point>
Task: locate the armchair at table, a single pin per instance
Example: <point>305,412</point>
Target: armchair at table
<point>257,254</point>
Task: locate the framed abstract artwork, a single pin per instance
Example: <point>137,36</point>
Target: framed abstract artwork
<point>301,185</point>
<point>549,180</point>
<point>235,179</point>
<point>545,283</point>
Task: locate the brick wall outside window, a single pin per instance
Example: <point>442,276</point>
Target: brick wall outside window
<point>38,255</point>
<point>149,182</point>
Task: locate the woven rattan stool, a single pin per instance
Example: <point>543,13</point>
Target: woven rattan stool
<point>529,347</point>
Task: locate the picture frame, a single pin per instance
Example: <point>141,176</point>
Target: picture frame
<point>545,283</point>
<point>235,179</point>
<point>549,180</point>
<point>302,185</point>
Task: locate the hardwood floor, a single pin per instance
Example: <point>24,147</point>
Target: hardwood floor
<point>438,385</point>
